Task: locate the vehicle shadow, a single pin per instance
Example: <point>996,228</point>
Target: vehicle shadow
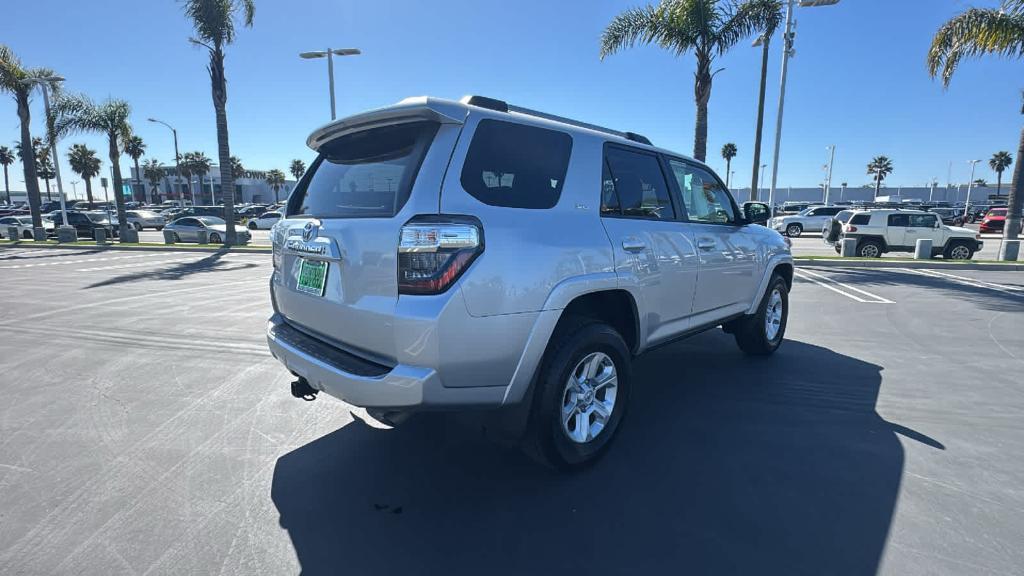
<point>212,263</point>
<point>726,464</point>
<point>53,253</point>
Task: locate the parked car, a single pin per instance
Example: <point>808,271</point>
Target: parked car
<point>142,219</point>
<point>994,221</point>
<point>87,223</point>
<point>265,221</point>
<point>887,230</point>
<point>949,216</point>
<point>811,218</point>
<point>187,229</point>
<point>24,225</point>
<point>495,272</point>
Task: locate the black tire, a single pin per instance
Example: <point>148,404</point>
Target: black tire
<point>159,228</point>
<point>138,227</point>
<point>174,236</point>
<point>214,238</point>
<point>574,341</point>
<point>27,235</point>
<point>252,226</point>
<point>958,251</point>
<point>869,249</point>
<point>751,332</point>
<point>838,246</point>
<point>794,230</point>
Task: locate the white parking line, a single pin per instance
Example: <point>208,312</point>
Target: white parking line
<point>76,261</point>
<point>827,282</point>
<point>1011,290</point>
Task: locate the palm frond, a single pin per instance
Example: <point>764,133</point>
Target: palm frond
<point>636,25</point>
<point>974,33</point>
<point>747,19</point>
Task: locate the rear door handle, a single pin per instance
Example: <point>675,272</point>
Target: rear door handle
<point>633,244</point>
<point>706,244</point>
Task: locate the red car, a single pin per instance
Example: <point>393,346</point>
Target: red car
<point>993,221</point>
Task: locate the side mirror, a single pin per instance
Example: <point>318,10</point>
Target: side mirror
<point>938,224</point>
<point>755,214</point>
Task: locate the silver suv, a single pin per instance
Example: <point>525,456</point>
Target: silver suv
<point>472,254</point>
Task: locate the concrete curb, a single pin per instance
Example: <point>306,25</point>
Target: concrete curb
<point>114,246</point>
<point>917,264</point>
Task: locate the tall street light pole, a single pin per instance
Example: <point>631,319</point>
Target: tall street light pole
<point>43,84</point>
<point>330,53</point>
<point>828,179</point>
<point>177,157</point>
<point>787,52</point>
<point>970,184</point>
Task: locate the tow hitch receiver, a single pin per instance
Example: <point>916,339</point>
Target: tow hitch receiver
<point>302,389</point>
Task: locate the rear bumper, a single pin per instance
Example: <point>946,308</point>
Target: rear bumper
<point>364,383</point>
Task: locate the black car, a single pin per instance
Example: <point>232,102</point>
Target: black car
<point>87,223</point>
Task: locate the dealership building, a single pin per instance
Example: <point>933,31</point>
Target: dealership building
<point>250,187</point>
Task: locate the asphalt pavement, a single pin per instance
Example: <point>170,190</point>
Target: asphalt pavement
<point>145,430</point>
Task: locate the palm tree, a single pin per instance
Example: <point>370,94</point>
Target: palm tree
<point>46,169</point>
<point>880,167</point>
<point>975,32</point>
<point>275,178</point>
<point>708,28</point>
<point>728,152</point>
<point>110,118</point>
<point>196,164</point>
<point>237,168</point>
<point>84,162</point>
<point>134,147</point>
<point>18,81</point>
<point>6,159</point>
<point>153,171</point>
<point>999,162</point>
<point>771,19</point>
<point>214,23</point>
<point>297,168</point>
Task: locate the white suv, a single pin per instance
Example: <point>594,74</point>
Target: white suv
<point>811,218</point>
<point>881,231</point>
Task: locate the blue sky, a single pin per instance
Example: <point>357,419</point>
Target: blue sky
<point>858,79</point>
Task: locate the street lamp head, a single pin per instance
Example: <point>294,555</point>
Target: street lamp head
<point>43,80</point>
<point>814,3</point>
<point>312,55</point>
<point>346,51</point>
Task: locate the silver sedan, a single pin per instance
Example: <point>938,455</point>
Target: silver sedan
<point>187,229</point>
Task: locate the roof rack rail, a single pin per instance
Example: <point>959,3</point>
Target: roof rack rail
<point>502,106</point>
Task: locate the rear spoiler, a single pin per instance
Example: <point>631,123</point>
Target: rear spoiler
<point>410,109</point>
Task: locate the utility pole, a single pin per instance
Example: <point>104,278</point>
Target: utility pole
<point>828,180</point>
<point>970,184</point>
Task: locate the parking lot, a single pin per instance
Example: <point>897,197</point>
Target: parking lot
<point>145,429</point>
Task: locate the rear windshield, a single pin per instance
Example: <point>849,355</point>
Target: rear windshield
<point>366,174</point>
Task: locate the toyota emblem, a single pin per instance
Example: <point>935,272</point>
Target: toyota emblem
<point>309,231</point>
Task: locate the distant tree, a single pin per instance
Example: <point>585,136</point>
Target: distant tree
<point>196,164</point>
<point>980,183</point>
<point>153,171</point>
<point>728,152</point>
<point>237,169</point>
<point>880,167</point>
<point>214,23</point>
<point>275,178</point>
<point>6,159</point>
<point>84,162</point>
<point>707,28</point>
<point>109,118</point>
<point>134,147</point>
<point>771,18</point>
<point>977,32</point>
<point>297,168</point>
<point>999,162</point>
<point>46,170</point>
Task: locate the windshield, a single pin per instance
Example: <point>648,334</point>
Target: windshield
<point>1001,212</point>
<point>365,174</point>
<point>211,220</point>
<point>97,217</point>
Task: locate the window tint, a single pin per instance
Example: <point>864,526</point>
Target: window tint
<point>756,210</point>
<point>639,184</point>
<point>922,220</point>
<point>364,174</point>
<point>516,166</point>
<point>706,200</point>
<point>861,219</point>
<point>188,222</point>
<point>899,220</point>
<point>8,221</point>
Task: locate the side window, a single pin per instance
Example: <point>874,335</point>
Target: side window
<point>861,220</point>
<point>902,220</point>
<point>516,166</point>
<point>7,221</point>
<point>273,215</point>
<point>922,220</point>
<point>706,200</point>
<point>187,222</point>
<point>639,184</point>
<point>76,218</point>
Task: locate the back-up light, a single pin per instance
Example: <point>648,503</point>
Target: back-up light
<point>432,255</point>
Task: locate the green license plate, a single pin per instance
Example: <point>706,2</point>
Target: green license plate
<point>312,276</point>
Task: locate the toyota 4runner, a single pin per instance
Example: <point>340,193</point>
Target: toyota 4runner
<point>881,231</point>
<point>472,254</point>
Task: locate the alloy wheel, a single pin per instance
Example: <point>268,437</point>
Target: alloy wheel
<point>588,398</point>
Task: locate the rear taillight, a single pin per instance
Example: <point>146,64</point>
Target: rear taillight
<point>432,255</point>
<point>851,228</point>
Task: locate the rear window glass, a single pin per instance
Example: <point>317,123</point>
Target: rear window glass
<point>862,219</point>
<point>367,174</point>
<point>516,166</point>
